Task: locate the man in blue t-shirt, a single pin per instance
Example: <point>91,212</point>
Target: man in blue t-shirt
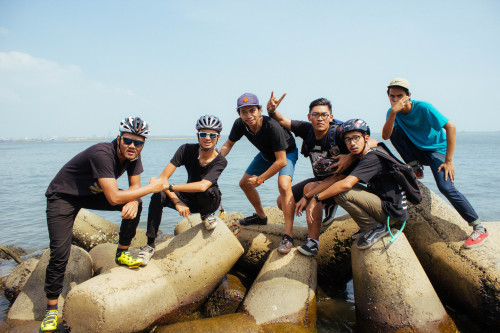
<point>415,129</point>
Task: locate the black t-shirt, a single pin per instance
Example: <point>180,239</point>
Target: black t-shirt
<point>79,176</point>
<point>372,170</point>
<point>187,155</point>
<point>269,139</point>
<point>318,150</point>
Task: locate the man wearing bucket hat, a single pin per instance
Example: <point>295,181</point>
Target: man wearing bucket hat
<point>423,136</point>
<point>277,154</point>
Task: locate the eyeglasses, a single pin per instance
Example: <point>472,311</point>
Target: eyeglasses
<point>128,142</point>
<point>317,115</point>
<point>354,139</point>
<point>210,135</point>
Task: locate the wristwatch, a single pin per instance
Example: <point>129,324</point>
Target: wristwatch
<point>316,196</point>
<point>170,187</point>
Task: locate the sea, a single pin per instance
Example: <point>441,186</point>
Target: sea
<point>27,167</point>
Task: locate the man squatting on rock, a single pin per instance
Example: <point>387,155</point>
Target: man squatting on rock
<point>368,206</point>
<point>88,180</point>
<point>277,154</point>
<point>201,194</point>
<point>415,129</point>
<point>326,150</point>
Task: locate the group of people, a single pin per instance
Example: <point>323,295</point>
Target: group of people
<point>346,172</point>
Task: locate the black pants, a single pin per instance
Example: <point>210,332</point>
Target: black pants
<point>61,214</point>
<point>201,202</point>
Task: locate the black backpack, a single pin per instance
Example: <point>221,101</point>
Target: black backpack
<point>401,173</point>
<point>308,143</point>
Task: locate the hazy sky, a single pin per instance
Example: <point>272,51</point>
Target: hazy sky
<point>71,68</point>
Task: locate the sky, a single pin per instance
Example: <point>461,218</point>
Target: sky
<point>76,68</point>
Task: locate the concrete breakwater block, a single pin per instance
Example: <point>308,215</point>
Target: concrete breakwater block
<point>90,229</point>
<point>31,302</point>
<point>103,258</point>
<point>226,298</point>
<point>334,252</point>
<point>284,291</point>
<point>187,223</point>
<point>18,278</point>
<point>182,274</point>
<point>259,240</point>
<point>393,293</point>
<point>468,278</point>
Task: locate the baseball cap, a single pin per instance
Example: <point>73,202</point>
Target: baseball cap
<point>247,99</point>
<point>399,82</point>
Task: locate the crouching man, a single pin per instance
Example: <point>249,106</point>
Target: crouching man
<point>201,194</point>
<point>368,206</point>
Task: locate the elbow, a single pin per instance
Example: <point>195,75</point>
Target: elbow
<point>113,201</point>
<point>385,135</point>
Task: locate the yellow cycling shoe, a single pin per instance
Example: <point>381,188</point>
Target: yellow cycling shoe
<point>49,323</point>
<point>126,259</point>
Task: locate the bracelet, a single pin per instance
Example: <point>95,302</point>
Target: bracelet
<point>170,187</point>
<point>259,181</point>
<point>305,197</point>
<point>316,196</point>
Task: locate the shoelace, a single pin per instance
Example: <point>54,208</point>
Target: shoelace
<point>475,235</point>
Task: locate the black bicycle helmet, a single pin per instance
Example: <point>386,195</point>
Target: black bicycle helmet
<point>355,125</point>
<point>135,126</point>
<point>209,122</point>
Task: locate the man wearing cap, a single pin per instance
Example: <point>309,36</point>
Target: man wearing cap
<point>277,154</point>
<point>415,129</point>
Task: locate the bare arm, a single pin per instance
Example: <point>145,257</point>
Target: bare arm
<point>273,169</point>
<point>451,138</point>
<point>226,148</point>
<point>272,106</point>
<point>116,196</point>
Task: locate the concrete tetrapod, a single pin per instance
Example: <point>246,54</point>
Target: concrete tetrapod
<point>284,291</point>
<point>179,277</point>
<point>392,292</point>
<point>468,278</point>
<point>31,302</point>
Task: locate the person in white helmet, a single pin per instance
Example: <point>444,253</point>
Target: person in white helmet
<point>88,180</point>
<point>200,194</point>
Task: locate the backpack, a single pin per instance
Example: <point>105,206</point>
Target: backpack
<point>401,173</point>
<point>306,148</point>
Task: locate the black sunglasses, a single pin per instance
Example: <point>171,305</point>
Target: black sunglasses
<point>128,141</point>
<point>210,135</point>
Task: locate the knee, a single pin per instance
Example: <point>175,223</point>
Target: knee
<point>244,184</point>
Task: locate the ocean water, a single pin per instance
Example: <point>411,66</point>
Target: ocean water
<point>26,169</point>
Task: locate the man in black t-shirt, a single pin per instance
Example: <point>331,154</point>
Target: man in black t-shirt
<point>278,154</point>
<point>328,154</point>
<point>369,206</point>
<point>201,194</point>
<point>88,180</point>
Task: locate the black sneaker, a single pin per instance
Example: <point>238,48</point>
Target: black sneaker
<point>254,219</point>
<point>310,248</point>
<point>371,237</point>
<point>330,210</point>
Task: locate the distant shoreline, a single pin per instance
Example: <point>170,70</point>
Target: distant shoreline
<point>86,139</point>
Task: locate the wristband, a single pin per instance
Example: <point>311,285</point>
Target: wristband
<point>306,197</point>
<point>316,196</point>
<point>258,181</point>
<point>170,187</point>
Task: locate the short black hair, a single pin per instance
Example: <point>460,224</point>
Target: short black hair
<point>406,90</point>
<point>320,101</point>
<point>258,107</point>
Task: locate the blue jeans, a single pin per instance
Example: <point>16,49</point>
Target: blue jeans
<point>409,152</point>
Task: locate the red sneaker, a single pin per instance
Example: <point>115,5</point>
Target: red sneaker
<point>475,239</point>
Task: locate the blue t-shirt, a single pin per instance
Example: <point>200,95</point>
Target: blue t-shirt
<point>423,126</point>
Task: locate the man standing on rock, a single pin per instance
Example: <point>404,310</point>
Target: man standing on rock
<point>371,206</point>
<point>415,129</point>
<point>88,180</point>
<point>201,194</point>
<point>326,150</point>
<point>277,154</point>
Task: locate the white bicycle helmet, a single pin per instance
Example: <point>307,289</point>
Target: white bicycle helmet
<point>135,126</point>
<point>209,122</point>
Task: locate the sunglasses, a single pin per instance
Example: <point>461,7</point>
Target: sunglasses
<point>212,136</point>
<point>128,142</point>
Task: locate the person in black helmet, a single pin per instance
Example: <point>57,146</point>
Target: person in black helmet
<point>88,180</point>
<point>201,193</point>
<point>368,206</point>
